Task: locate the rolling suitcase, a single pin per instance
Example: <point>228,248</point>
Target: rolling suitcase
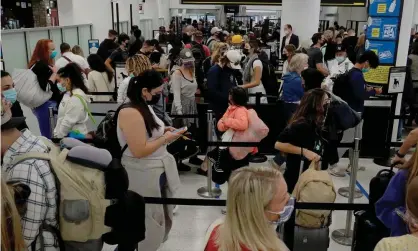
<point>368,231</point>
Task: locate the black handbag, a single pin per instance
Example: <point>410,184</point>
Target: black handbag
<point>343,115</point>
<point>183,148</point>
<point>220,159</point>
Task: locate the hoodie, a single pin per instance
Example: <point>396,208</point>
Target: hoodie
<point>394,198</point>
<point>292,90</point>
<point>72,114</point>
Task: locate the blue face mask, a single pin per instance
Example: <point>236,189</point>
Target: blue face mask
<point>10,95</point>
<point>61,88</point>
<point>364,70</point>
<point>54,54</point>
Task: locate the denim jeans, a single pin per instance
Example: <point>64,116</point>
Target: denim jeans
<point>42,114</point>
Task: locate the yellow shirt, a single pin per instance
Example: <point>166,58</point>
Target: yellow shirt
<point>402,243</point>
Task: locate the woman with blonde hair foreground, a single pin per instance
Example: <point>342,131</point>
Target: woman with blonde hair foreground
<point>257,202</point>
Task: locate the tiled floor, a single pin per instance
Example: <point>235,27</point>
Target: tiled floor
<point>190,222</point>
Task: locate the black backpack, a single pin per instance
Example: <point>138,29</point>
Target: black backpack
<point>342,86</point>
<point>379,183</point>
<point>198,52</point>
<point>106,134</point>
<point>269,80</point>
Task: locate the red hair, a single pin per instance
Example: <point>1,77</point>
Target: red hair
<point>41,52</point>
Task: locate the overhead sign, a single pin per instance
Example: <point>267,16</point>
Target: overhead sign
<point>389,8</point>
<point>140,8</point>
<point>384,49</point>
<point>93,46</point>
<point>231,9</point>
<point>353,3</point>
<point>382,28</point>
<point>397,79</point>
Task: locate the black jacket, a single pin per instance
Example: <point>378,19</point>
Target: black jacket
<point>43,72</point>
<point>106,48</point>
<point>293,40</point>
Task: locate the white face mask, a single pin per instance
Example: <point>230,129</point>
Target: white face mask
<point>286,32</point>
<point>340,59</point>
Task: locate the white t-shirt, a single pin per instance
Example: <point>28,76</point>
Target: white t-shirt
<point>260,87</point>
<point>62,62</point>
<point>156,133</point>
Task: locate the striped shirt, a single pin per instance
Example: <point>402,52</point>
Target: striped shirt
<point>41,204</point>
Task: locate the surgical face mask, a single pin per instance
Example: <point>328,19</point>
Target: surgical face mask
<point>10,95</point>
<point>61,88</point>
<point>285,214</point>
<point>188,65</point>
<point>154,100</point>
<point>340,59</point>
<point>286,32</point>
<point>53,54</point>
<point>364,70</point>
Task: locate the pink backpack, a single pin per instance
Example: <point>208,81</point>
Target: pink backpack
<point>256,131</point>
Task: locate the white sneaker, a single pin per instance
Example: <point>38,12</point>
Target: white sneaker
<point>334,170</point>
<point>223,211</point>
<point>175,209</point>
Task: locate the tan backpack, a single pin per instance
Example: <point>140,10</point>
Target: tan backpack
<point>314,185</point>
<point>82,190</point>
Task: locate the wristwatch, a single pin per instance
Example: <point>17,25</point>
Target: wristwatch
<point>400,155</point>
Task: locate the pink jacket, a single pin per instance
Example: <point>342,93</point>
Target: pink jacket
<point>236,118</point>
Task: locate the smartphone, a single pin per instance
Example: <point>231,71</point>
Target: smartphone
<point>180,129</point>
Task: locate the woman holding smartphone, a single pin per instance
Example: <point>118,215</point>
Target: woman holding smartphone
<point>152,171</point>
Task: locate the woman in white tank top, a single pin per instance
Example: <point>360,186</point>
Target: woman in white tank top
<point>152,171</point>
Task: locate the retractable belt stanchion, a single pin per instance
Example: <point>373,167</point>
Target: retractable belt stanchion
<point>209,191</point>
<point>345,236</point>
<point>51,120</point>
<point>346,191</point>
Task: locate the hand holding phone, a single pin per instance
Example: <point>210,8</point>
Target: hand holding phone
<point>180,130</point>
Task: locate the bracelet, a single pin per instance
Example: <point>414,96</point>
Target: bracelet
<point>400,155</point>
<point>165,140</point>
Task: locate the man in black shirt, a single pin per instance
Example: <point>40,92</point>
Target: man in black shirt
<point>316,58</point>
<point>120,54</point>
<point>108,45</point>
<point>350,43</point>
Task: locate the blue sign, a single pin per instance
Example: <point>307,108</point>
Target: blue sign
<point>93,46</point>
<point>384,8</point>
<point>384,49</point>
<point>382,28</point>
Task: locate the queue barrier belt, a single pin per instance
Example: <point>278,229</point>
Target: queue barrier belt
<point>221,203</point>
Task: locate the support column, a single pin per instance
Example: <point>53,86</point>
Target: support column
<point>415,19</point>
<point>303,15</point>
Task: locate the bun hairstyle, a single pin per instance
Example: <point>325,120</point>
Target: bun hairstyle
<point>149,79</point>
<point>239,96</point>
<point>73,72</point>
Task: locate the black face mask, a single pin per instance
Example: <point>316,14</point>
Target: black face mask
<point>245,52</point>
<point>155,99</point>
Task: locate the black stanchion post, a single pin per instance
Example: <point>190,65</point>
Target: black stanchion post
<point>117,18</point>
<point>113,15</point>
<point>258,98</point>
<point>131,16</point>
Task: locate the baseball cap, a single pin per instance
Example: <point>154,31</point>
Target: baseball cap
<point>214,30</point>
<point>237,39</point>
<point>186,55</point>
<point>9,122</point>
<point>235,58</point>
<point>340,47</point>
